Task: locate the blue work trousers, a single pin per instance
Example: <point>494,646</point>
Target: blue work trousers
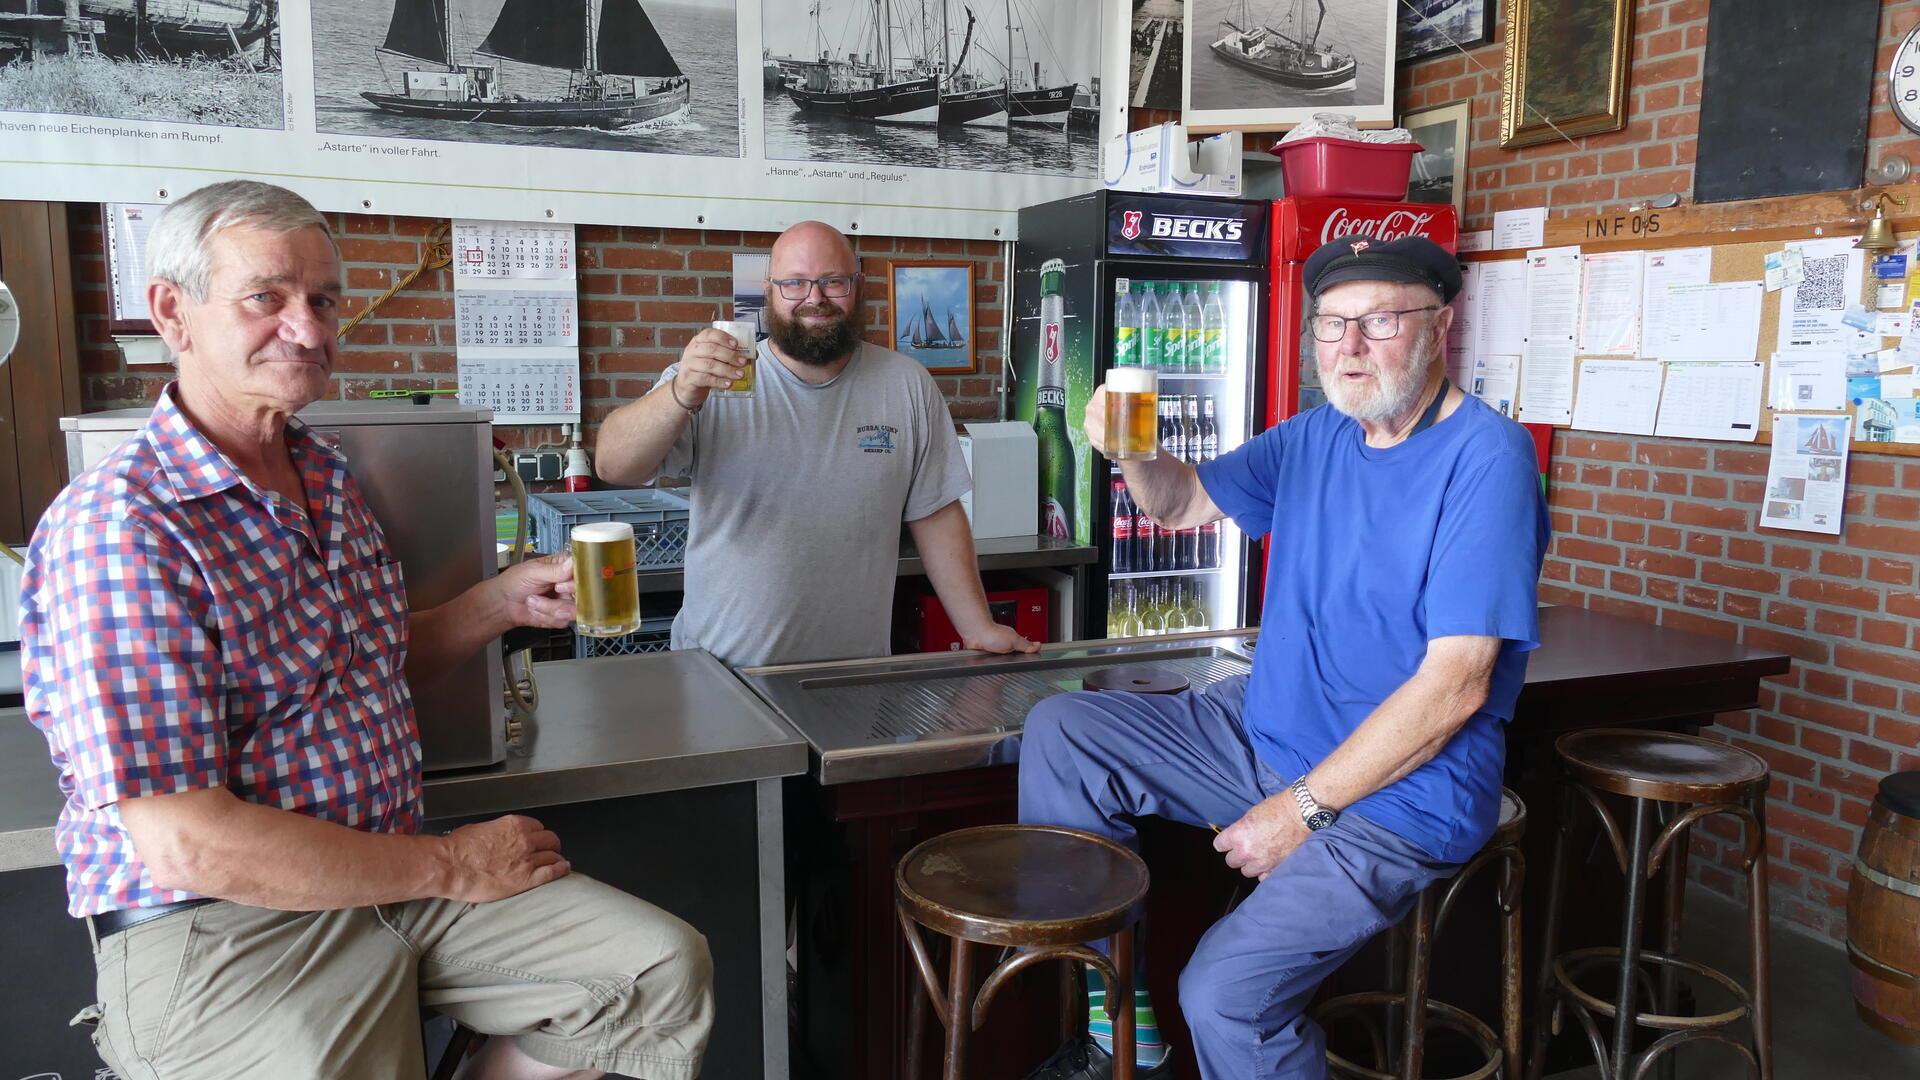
<point>1094,761</point>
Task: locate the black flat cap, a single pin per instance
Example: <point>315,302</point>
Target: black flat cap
<point>1411,260</point>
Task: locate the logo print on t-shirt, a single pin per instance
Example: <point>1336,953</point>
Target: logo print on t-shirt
<point>876,438</point>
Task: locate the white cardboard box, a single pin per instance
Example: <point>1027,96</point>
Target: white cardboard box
<point>1162,159</point>
<point>1004,459</point>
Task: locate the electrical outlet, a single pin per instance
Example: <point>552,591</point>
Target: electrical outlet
<point>552,464</point>
<point>527,464</point>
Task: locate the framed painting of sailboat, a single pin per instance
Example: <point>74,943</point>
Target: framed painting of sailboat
<point>931,306</point>
<point>1266,65</point>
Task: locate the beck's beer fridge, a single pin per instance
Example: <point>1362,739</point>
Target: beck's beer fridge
<point>1177,284</point>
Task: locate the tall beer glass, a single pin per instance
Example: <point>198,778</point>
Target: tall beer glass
<point>742,332</point>
<point>606,592</point>
<point>1133,428</point>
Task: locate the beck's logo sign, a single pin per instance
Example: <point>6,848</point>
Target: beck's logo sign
<point>1050,346</point>
<point>1130,224</point>
<point>1203,230</point>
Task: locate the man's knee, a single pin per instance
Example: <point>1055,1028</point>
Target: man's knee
<point>1054,726</point>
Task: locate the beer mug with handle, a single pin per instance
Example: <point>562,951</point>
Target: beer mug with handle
<point>1133,430</point>
<point>606,590</point>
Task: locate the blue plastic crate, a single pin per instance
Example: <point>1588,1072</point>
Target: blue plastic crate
<point>654,635</point>
<point>659,520</point>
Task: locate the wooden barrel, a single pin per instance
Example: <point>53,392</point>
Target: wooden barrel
<point>1883,911</point>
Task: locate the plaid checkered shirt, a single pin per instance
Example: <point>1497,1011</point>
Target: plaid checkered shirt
<point>185,629</point>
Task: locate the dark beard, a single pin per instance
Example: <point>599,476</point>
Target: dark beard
<point>815,346</point>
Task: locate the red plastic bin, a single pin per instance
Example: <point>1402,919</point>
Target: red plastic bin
<point>1326,167</point>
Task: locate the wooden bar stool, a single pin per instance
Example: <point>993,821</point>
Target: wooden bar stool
<point>1502,1050</point>
<point>1688,779</point>
<point>1041,889</point>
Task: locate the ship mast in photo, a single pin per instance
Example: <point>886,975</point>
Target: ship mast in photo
<point>1294,57</point>
<point>619,70</point>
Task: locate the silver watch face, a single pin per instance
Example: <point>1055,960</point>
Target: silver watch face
<point>1319,819</point>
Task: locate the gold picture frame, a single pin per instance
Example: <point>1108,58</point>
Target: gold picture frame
<point>1557,80</point>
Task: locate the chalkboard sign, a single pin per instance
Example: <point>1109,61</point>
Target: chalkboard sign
<point>1783,108</point>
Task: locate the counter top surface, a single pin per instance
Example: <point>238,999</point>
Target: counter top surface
<point>606,728</point>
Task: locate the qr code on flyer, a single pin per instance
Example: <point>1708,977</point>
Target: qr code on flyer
<point>1825,286</point>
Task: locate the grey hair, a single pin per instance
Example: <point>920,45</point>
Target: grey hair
<point>177,246</point>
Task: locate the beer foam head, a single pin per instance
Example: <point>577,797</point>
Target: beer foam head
<point>1132,380</point>
<point>600,532</point>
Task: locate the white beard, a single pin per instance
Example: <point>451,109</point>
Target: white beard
<point>1394,391</point>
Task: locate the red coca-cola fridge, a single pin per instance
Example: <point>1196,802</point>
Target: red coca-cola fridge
<point>1300,226</point>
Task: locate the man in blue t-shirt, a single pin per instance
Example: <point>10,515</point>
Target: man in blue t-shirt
<point>1362,759</point>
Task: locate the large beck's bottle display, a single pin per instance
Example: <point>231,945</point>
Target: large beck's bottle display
<point>1057,489</point>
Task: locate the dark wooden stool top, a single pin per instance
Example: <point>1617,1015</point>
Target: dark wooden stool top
<point>1660,765</point>
<point>1136,679</point>
<point>1513,820</point>
<point>1022,885</point>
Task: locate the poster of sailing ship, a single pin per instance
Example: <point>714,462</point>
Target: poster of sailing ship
<point>1006,86</point>
<point>1270,64</point>
<point>214,62</point>
<point>639,75</point>
<point>932,306</point>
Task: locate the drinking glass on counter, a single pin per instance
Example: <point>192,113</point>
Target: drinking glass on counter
<point>606,588</point>
<point>744,334</point>
<point>1133,425</point>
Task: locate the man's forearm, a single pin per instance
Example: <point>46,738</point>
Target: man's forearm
<point>945,542</point>
<point>635,439</point>
<point>439,638</point>
<point>1169,490</point>
<point>214,844</point>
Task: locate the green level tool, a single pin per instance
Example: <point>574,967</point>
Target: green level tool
<point>405,393</point>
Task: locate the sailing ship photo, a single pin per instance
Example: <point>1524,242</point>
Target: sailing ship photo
<point>1247,57</point>
<point>982,85</point>
<point>586,74</point>
<point>932,305</point>
<point>211,62</point>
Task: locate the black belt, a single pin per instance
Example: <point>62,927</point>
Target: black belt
<point>108,923</point>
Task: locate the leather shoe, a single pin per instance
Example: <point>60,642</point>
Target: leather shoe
<point>1081,1058</point>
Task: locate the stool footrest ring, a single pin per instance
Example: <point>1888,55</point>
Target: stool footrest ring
<point>1439,1013</point>
<point>1567,963</point>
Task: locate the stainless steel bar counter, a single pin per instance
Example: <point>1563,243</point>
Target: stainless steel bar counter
<point>992,553</point>
<point>661,773</point>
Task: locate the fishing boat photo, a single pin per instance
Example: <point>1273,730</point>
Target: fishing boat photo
<point>966,97</point>
<point>620,72</point>
<point>173,29</point>
<point>1294,55</point>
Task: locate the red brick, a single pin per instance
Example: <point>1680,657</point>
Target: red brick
<point>1826,683</point>
<point>1670,483</point>
<point>1874,695</point>
<point>1716,517</point>
<point>1749,462</point>
<point>1659,562</point>
<point>1627,532</point>
<point>1898,732</point>
<point>1590,577</point>
<point>1795,823</point>
<point>1806,649</point>
<point>1836,564</point>
<point>1747,551</point>
<point>1740,606</point>
<point>1806,856</point>
<point>1591,526</point>
<point>1709,487</point>
<point>1817,591</point>
<point>1907,604</point>
<point>1848,781</point>
<point>1890,571</point>
<point>1831,714</point>
<point>1867,472</point>
<point>1883,632</point>
<point>1599,449</point>
<point>1711,545</point>
<point>1836,624</point>
<point>1871,755</point>
<point>1631,505</point>
<point>1903,669</point>
<point>1883,538</point>
<point>1723,629</point>
<point>1663,589</point>
<point>1587,551</point>
<point>1792,558</point>
<point>1824,743</point>
<point>1897,507</point>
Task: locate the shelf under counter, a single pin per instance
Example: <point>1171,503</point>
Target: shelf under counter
<point>993,553</point>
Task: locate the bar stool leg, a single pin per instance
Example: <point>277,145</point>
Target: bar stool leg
<point>1512,880</point>
<point>916,1028</point>
<point>1630,927</point>
<point>1762,947</point>
<point>1413,1038</point>
<point>1676,871</point>
<point>1543,988</point>
<point>1123,1033</point>
<point>959,1009</point>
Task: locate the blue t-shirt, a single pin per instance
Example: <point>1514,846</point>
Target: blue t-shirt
<point>1373,554</point>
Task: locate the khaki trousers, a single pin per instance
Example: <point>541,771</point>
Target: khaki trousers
<point>580,974</point>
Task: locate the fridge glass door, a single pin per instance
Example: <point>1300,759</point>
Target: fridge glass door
<point>1193,579</point>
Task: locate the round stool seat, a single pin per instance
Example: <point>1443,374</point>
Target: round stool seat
<point>1513,820</point>
<point>1031,885</point>
<point>1660,765</point>
<point>1136,679</point>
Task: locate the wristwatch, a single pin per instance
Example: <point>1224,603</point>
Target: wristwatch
<point>1316,816</point>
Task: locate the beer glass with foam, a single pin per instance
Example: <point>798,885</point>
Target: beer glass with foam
<point>743,333</point>
<point>1133,428</point>
<point>606,592</point>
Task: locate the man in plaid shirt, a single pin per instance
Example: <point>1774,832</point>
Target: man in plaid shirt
<point>217,647</point>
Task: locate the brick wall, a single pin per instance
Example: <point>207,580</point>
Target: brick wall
<point>644,292</point>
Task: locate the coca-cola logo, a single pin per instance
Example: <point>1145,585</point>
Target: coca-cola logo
<point>1393,225</point>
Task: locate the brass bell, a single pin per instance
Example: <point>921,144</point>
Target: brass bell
<point>1879,235</point>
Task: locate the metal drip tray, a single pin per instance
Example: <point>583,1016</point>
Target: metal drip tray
<point>901,716</point>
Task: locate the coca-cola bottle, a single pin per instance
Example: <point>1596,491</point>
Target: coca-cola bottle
<point>1143,531</point>
<point>1122,529</point>
<point>1208,546</point>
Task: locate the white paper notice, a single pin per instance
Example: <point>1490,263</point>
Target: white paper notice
<point>524,390</point>
<point>1520,228</point>
<point>1810,312</point>
<point>1553,319</point>
<point>1463,336</point>
<point>1476,241</point>
<point>1495,378</point>
<point>1681,266</point>
<point>127,228</point>
<point>1890,324</point>
<point>1711,401</point>
<point>517,320</point>
<point>1610,303</point>
<point>1710,322</point>
<point>1503,307</point>
<point>1617,395</point>
<point>1806,474</point>
<point>1808,382</point>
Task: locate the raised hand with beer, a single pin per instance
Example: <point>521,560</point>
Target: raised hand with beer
<point>714,360</point>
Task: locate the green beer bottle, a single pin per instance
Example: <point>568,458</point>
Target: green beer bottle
<point>1050,412</point>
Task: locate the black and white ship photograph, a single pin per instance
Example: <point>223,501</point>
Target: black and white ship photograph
<point>638,75</point>
<point>1157,51</point>
<point>1290,54</point>
<point>213,62</point>
<point>1006,86</point>
<point>1435,26</point>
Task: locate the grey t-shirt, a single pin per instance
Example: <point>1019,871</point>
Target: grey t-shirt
<point>798,495</point>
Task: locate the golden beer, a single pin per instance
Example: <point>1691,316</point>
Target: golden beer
<point>606,592</point>
<point>742,332</point>
<point>1133,423</point>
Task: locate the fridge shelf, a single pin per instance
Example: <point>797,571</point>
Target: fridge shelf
<point>1195,376</point>
<point>1162,573</point>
